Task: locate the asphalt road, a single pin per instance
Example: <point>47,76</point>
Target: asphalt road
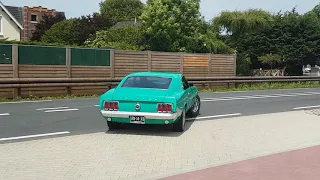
<point>21,121</point>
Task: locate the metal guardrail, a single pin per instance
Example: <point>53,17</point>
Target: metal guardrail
<point>231,79</point>
<point>18,83</point>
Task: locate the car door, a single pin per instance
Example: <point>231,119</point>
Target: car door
<point>187,92</point>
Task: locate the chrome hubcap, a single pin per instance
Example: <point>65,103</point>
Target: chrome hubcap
<point>195,106</point>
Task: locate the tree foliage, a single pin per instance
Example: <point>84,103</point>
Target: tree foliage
<point>45,24</point>
<point>270,59</point>
<point>121,10</point>
<point>62,32</point>
<point>124,38</point>
<point>89,25</point>
<point>238,22</point>
<point>292,36</point>
<point>77,30</point>
<point>260,39</point>
<point>173,25</point>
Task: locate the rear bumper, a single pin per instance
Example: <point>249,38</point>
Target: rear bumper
<point>157,116</point>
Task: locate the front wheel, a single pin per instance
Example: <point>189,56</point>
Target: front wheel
<point>195,109</point>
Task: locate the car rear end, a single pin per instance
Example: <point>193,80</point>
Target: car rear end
<point>141,104</point>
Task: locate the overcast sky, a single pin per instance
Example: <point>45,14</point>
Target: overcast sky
<point>209,8</point>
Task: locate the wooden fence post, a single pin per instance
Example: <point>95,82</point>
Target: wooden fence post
<point>15,64</point>
<point>112,74</point>
<point>181,63</point>
<point>235,65</point>
<point>149,61</point>
<point>112,63</point>
<point>209,69</point>
<point>68,64</point>
<point>235,68</point>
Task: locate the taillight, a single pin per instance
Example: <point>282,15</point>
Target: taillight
<point>164,108</point>
<point>111,105</point>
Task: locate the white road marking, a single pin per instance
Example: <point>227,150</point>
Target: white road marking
<point>19,102</point>
<point>96,105</point>
<point>5,114</point>
<point>306,107</point>
<point>61,110</point>
<point>216,116</point>
<point>52,108</point>
<point>259,96</point>
<point>33,136</point>
<point>263,90</point>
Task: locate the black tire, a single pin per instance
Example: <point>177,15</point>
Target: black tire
<point>113,125</point>
<point>179,125</point>
<point>194,111</point>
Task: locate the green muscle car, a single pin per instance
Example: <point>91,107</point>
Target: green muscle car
<point>161,98</point>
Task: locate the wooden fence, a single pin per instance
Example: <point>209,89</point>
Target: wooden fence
<point>121,64</point>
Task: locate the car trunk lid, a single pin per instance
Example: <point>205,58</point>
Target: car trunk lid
<point>147,98</point>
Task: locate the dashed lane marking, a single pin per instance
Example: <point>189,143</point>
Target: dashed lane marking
<point>19,102</point>
<point>306,107</point>
<point>258,96</point>
<point>215,116</point>
<point>33,136</point>
<point>53,108</point>
<point>61,110</point>
<point>5,114</point>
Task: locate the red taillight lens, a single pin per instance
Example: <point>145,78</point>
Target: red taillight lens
<point>115,106</point>
<point>160,108</point>
<point>106,105</point>
<point>169,108</point>
<point>164,108</point>
<point>111,106</point>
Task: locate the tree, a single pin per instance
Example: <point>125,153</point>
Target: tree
<point>77,30</point>
<point>172,25</point>
<point>292,36</point>
<point>89,25</point>
<point>270,59</point>
<point>239,22</point>
<point>62,32</point>
<point>123,38</point>
<point>121,10</point>
<point>45,24</point>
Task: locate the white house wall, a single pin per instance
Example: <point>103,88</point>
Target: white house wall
<point>9,28</point>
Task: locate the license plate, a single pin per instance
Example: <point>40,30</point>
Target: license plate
<point>137,119</point>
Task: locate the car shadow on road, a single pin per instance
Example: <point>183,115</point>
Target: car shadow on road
<point>150,130</point>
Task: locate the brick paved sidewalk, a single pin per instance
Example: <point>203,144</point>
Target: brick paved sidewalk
<point>303,164</point>
<point>149,153</point>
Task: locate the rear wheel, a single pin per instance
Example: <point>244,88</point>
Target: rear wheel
<point>113,125</point>
<point>179,126</point>
<point>195,109</point>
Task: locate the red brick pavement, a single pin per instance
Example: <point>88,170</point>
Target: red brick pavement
<point>301,164</point>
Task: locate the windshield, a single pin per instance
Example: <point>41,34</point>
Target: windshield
<point>147,82</point>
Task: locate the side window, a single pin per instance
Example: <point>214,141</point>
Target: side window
<point>185,83</point>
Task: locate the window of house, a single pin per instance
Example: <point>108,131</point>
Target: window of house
<point>34,18</point>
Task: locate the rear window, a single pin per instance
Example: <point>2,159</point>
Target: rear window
<point>147,82</point>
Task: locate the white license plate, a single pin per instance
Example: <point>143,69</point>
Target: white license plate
<point>137,119</point>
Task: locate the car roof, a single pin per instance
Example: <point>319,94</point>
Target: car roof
<point>154,73</point>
